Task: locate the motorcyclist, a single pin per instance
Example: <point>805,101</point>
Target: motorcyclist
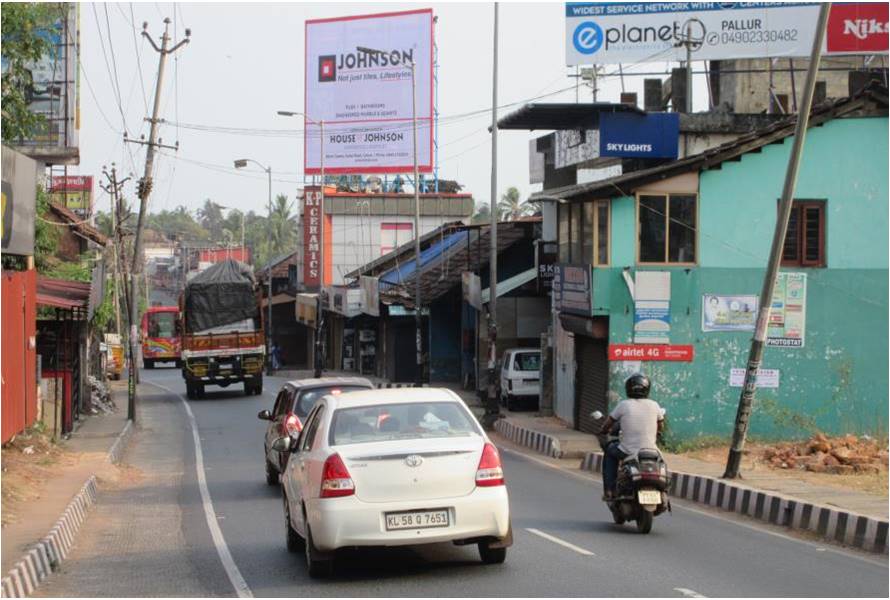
<point>640,419</point>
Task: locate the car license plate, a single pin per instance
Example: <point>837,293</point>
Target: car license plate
<point>649,497</point>
<point>417,519</point>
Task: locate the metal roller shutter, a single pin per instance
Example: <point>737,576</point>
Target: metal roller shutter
<point>591,382</point>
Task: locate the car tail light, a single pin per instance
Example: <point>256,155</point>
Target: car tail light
<point>292,425</point>
<point>335,479</point>
<point>489,473</point>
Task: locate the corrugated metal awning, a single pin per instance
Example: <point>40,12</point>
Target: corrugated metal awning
<point>508,285</point>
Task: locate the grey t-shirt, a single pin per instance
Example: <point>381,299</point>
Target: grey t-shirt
<point>639,419</point>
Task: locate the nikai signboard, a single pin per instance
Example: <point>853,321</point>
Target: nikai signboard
<point>629,135</point>
<point>632,32</point>
<point>365,98</point>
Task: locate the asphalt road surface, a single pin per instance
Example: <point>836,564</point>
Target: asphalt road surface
<point>564,541</point>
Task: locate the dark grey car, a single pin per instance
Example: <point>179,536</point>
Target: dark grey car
<point>292,405</point>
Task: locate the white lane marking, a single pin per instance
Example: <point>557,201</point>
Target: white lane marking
<point>689,593</point>
<point>677,503</point>
<point>564,543</point>
<point>228,563</point>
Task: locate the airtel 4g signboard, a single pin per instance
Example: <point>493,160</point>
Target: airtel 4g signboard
<point>365,99</point>
<point>618,32</point>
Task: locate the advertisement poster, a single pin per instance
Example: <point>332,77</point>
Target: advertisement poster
<point>365,98</point>
<point>571,289</point>
<point>631,32</point>
<point>788,313</point>
<point>728,313</point>
<point>652,307</point>
<point>75,192</point>
<point>766,378</point>
<point>654,352</point>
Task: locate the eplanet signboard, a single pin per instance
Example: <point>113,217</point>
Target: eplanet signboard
<point>365,98</point>
<point>619,32</point>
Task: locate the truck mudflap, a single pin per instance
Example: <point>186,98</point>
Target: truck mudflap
<point>223,369</point>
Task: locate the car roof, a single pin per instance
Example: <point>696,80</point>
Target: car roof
<point>315,382</point>
<point>395,396</point>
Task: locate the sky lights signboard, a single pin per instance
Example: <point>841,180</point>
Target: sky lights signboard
<point>365,99</point>
<point>630,135</point>
<point>619,32</point>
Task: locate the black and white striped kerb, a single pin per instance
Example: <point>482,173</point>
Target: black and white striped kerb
<point>537,441</point>
<point>47,555</point>
<point>844,527</point>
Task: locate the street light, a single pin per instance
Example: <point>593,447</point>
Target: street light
<point>418,339</point>
<point>240,164</point>
<point>319,322</point>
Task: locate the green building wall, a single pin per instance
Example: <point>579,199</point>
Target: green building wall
<point>837,382</point>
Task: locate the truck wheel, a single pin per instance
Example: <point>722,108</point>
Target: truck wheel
<point>258,385</point>
<point>248,388</point>
<point>189,390</point>
<point>148,363</point>
<point>199,390</point>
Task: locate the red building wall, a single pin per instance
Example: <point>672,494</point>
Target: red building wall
<point>19,352</point>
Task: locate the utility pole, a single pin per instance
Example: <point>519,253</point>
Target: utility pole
<point>145,185</point>
<point>755,356</point>
<point>318,360</point>
<point>492,407</point>
<point>418,275</point>
<point>690,44</point>
<point>113,188</point>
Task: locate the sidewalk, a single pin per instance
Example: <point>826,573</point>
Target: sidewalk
<point>84,454</point>
<point>782,498</point>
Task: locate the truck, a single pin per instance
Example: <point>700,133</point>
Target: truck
<point>221,330</point>
<point>160,339</point>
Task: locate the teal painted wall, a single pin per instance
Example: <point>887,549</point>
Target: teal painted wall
<point>838,382</point>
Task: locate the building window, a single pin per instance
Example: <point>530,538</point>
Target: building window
<point>805,239</point>
<point>576,246</point>
<point>563,233</point>
<point>584,233</point>
<point>666,228</point>
<point>393,235</point>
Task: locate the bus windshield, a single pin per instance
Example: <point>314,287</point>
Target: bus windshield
<point>162,325</point>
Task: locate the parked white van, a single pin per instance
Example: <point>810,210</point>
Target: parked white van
<point>520,377</point>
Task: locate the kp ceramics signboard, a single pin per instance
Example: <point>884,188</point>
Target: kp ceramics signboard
<point>313,212</point>
<point>619,32</point>
<point>629,135</point>
<point>365,99</point>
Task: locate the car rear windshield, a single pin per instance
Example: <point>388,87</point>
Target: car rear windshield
<point>387,422</point>
<point>527,361</point>
<point>307,399</point>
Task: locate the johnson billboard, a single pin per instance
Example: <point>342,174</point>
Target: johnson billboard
<point>630,32</point>
<point>365,98</point>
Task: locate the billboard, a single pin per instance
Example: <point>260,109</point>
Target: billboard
<point>74,192</point>
<point>365,99</point>
<point>55,76</point>
<point>19,199</point>
<point>618,32</point>
<point>639,136</point>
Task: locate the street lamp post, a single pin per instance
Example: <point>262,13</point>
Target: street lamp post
<point>319,321</point>
<point>418,335</point>
<point>240,164</point>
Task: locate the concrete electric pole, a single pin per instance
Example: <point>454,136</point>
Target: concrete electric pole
<point>755,357</point>
<point>492,407</point>
<point>145,185</point>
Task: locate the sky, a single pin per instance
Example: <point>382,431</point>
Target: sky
<point>245,62</point>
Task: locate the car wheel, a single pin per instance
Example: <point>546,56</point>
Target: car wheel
<point>271,474</point>
<point>644,521</point>
<point>512,402</point>
<point>294,541</point>
<point>318,568</point>
<point>491,556</point>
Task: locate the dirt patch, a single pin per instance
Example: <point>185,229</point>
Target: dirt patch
<point>793,460</point>
<point>28,463</point>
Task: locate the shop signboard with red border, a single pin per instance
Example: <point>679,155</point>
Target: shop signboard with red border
<point>654,352</point>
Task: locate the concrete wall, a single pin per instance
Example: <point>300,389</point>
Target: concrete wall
<point>837,381</point>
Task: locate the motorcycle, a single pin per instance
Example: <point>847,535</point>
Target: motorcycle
<point>642,484</point>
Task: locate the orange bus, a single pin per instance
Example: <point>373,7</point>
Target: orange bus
<point>160,336</point>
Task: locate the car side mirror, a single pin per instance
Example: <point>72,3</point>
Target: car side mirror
<point>597,415</point>
<point>264,415</point>
<point>282,444</point>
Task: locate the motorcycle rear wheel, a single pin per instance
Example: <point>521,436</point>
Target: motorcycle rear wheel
<point>644,521</point>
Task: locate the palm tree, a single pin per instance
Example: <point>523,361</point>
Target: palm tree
<point>210,217</point>
<point>512,207</point>
<point>282,226</point>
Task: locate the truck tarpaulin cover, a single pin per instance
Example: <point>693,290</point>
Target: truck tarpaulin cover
<point>222,294</point>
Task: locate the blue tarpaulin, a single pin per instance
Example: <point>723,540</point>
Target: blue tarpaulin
<point>428,256</point>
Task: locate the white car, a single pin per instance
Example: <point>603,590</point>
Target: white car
<point>393,467</point>
<point>520,376</point>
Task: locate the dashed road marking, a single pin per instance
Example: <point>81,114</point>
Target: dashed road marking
<point>689,593</point>
<point>561,542</point>
<point>225,556</point>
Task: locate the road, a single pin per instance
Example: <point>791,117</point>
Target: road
<point>565,543</point>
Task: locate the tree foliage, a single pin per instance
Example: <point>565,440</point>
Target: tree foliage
<point>24,43</point>
<point>511,206</point>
